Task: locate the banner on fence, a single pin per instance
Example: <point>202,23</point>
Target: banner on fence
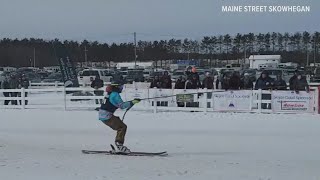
<point>132,93</point>
<point>232,100</point>
<point>287,101</point>
<point>185,97</point>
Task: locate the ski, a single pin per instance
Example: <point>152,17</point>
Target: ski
<point>114,152</point>
<point>164,153</point>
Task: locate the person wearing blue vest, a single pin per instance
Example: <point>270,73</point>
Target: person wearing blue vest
<point>110,104</point>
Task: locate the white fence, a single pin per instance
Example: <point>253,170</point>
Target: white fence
<point>202,100</point>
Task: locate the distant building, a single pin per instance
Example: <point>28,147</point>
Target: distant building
<point>8,69</point>
<point>52,68</point>
<point>131,65</point>
<point>257,61</point>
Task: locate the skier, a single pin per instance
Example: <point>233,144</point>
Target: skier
<point>110,104</point>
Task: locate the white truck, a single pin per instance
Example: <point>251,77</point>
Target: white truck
<point>88,75</point>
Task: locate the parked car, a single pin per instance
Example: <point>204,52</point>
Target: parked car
<point>316,76</point>
<point>176,74</point>
<point>43,75</point>
<point>252,74</point>
<point>53,78</point>
<point>156,73</point>
<point>1,70</point>
<point>135,75</point>
<point>147,73</point>
<point>33,77</point>
<point>124,74</point>
<point>88,75</point>
<point>272,73</point>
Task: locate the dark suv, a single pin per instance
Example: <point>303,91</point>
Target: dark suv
<point>135,75</point>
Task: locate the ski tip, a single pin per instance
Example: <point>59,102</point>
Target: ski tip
<point>112,147</point>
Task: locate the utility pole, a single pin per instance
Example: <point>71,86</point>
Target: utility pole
<point>135,49</point>
<point>314,52</point>
<point>34,57</point>
<point>85,55</point>
<point>245,53</point>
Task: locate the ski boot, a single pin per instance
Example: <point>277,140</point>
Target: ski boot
<point>122,149</point>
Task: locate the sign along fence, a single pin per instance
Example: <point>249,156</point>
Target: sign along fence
<point>175,99</point>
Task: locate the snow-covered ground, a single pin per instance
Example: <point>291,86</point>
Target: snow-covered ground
<point>46,144</point>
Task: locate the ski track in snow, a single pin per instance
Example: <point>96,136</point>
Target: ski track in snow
<point>46,144</point>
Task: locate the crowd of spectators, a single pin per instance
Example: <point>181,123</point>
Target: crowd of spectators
<point>15,81</point>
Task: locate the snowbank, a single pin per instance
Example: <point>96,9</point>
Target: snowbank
<point>46,144</point>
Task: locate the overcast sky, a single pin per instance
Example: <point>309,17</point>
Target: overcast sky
<point>116,20</point>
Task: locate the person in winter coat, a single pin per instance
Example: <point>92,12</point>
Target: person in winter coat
<point>300,84</point>
<point>264,82</point>
<point>14,84</point>
<point>155,82</point>
<point>5,85</point>
<point>208,81</point>
<point>246,82</point>
<point>193,83</point>
<point>235,81</point>
<point>180,83</point>
<point>23,83</point>
<point>97,83</point>
<point>279,83</point>
<point>166,82</point>
<point>225,82</point>
<point>111,103</point>
<point>188,72</point>
<point>292,79</point>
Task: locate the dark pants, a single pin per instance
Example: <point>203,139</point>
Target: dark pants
<point>180,104</point>
<point>25,95</point>
<point>192,104</point>
<point>160,103</point>
<point>6,94</point>
<point>98,93</point>
<point>14,94</point>
<point>116,124</point>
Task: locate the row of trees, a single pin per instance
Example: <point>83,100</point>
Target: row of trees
<point>296,47</point>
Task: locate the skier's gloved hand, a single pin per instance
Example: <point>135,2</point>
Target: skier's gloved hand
<point>135,101</point>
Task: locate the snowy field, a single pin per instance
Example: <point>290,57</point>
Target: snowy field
<point>46,145</point>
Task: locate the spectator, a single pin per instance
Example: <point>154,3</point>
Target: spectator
<point>292,79</point>
<point>217,83</point>
<point>24,83</point>
<point>264,82</point>
<point>279,83</point>
<point>155,82</point>
<point>180,84</point>
<point>97,83</point>
<point>193,83</point>
<point>208,81</point>
<point>166,82</point>
<point>188,72</point>
<point>5,85</point>
<point>246,82</point>
<point>225,82</point>
<point>300,84</point>
<point>235,81</point>
<point>13,83</point>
